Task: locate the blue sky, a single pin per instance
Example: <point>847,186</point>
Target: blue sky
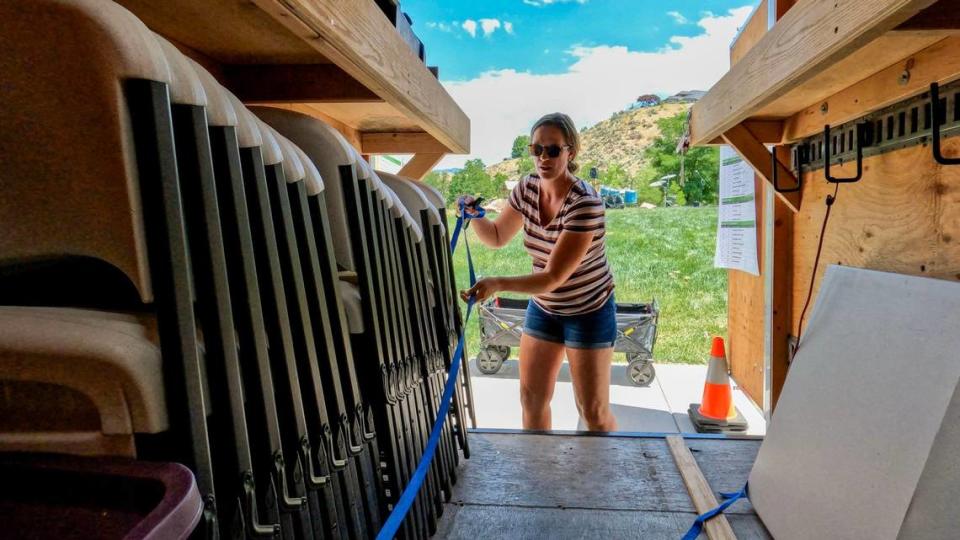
<point>508,62</point>
<point>541,34</point>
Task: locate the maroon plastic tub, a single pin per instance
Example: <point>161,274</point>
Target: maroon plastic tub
<point>68,498</point>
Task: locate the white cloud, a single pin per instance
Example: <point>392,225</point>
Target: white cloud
<point>470,26</point>
<point>600,81</point>
<point>489,26</point>
<point>508,27</point>
<point>677,16</point>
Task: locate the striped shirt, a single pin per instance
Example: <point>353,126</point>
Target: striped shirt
<point>591,284</point>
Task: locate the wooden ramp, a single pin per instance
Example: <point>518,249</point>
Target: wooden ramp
<point>523,485</point>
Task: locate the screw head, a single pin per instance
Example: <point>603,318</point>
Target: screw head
<point>824,107</point>
<point>904,77</point>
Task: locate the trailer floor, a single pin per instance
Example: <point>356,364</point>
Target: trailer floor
<point>558,486</point>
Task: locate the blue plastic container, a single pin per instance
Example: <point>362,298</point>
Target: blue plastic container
<point>630,197</point>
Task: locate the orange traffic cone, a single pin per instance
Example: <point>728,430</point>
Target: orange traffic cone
<point>716,413</point>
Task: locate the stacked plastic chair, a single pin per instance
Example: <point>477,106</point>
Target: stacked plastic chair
<point>184,282</point>
<point>399,308</point>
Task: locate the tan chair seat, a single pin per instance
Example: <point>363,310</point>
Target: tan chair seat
<point>78,381</point>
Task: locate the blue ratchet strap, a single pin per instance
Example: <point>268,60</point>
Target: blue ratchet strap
<point>461,219</point>
<point>729,499</point>
<point>393,522</point>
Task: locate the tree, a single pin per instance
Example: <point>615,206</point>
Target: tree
<point>525,166</point>
<point>520,145</point>
<point>439,181</point>
<point>648,100</point>
<point>701,165</point>
<point>613,176</point>
<point>473,179</point>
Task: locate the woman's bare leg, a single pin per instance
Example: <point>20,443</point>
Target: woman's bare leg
<point>590,372</point>
<point>540,362</point>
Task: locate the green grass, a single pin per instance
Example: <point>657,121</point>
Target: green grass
<point>666,253</point>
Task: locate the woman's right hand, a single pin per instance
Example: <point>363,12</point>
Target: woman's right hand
<point>465,202</point>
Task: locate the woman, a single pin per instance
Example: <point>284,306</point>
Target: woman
<point>572,307</point>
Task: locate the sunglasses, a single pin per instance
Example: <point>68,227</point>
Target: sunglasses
<point>552,151</point>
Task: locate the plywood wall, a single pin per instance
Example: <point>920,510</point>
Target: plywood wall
<point>745,316</point>
<point>903,217</point>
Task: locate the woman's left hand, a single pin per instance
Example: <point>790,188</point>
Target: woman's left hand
<point>483,289</point>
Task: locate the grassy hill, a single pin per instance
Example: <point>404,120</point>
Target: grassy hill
<point>619,139</point>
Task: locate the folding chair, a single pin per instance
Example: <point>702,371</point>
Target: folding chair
<point>79,223</point>
<point>384,209</point>
<point>455,325</point>
<point>408,239</point>
<point>326,413</point>
<point>309,217</point>
<point>230,441</point>
<point>436,295</point>
<point>371,356</point>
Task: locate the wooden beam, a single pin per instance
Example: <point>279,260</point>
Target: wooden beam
<point>401,143</point>
<point>297,83</point>
<point>812,36</point>
<point>358,38</point>
<point>750,33</point>
<point>717,528</point>
<point>944,15</point>
<point>765,131</point>
<point>757,155</point>
<point>938,62</point>
<point>420,165</point>
<point>782,297</point>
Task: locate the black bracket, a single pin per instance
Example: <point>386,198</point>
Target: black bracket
<point>776,175</point>
<point>826,156</point>
<point>939,119</point>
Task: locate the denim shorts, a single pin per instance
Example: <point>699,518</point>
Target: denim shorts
<point>594,330</point>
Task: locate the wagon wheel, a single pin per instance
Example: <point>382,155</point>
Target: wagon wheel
<point>640,372</point>
<point>490,359</point>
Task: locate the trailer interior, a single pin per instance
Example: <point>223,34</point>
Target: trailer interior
<point>217,320</point>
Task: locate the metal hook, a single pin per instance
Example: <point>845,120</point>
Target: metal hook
<point>776,175</point>
<point>937,123</point>
<point>826,156</point>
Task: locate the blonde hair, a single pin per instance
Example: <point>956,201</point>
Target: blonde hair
<point>570,134</point>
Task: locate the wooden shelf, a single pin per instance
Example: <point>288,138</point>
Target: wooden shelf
<point>343,62</point>
<point>818,49</point>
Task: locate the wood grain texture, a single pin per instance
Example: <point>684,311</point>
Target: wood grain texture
<point>746,318</point>
<point>553,471</point>
<point>357,37</point>
<point>884,51</point>
<point>420,165</point>
<point>752,31</point>
<point>717,528</point>
<point>401,143</point>
<point>295,83</point>
<point>812,37</point>
<point>228,31</point>
<point>382,117</point>
<point>903,216</point>
<point>938,62</point>
<point>780,326</point>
